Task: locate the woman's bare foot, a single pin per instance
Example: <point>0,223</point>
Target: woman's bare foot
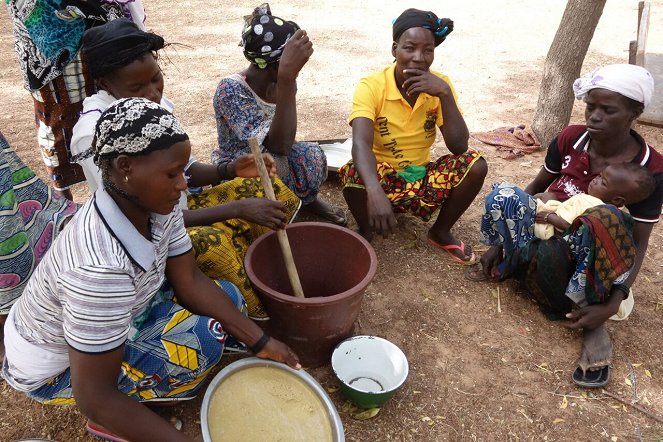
<point>596,349</point>
<point>327,211</point>
<point>490,260</point>
<point>594,364</point>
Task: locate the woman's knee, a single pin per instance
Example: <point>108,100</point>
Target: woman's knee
<point>233,293</point>
<point>474,177</point>
<point>354,196</point>
<point>492,197</point>
<point>478,171</point>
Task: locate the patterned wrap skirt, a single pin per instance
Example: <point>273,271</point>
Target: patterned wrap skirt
<point>220,248</point>
<point>168,356</point>
<point>422,197</point>
<point>303,170</point>
<point>555,271</point>
<point>57,106</point>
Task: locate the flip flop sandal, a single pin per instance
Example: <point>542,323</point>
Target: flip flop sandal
<point>234,345</point>
<point>102,433</point>
<point>592,378</point>
<point>475,272</point>
<point>449,247</point>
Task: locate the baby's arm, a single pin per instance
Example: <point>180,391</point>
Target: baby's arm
<point>551,218</point>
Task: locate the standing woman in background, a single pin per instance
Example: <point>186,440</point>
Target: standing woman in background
<point>47,37</point>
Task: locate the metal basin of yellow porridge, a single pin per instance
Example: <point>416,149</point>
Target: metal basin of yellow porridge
<point>258,400</point>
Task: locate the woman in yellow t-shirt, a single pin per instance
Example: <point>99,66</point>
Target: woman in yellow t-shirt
<point>394,117</point>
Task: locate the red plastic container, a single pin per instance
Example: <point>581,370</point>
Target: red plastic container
<point>335,266</point>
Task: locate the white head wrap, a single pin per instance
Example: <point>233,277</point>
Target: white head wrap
<point>629,80</point>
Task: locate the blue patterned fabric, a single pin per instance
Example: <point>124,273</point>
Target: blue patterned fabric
<point>45,40</point>
<point>508,220</point>
<point>48,33</point>
<point>169,356</point>
<point>508,217</point>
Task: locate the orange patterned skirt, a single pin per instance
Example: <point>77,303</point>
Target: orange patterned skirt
<point>421,197</point>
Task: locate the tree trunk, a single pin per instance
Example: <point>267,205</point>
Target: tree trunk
<point>562,66</point>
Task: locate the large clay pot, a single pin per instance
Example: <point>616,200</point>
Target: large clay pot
<point>335,266</point>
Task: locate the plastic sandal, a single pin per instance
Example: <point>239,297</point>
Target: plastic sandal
<point>592,378</point>
<point>448,248</point>
<point>335,216</point>
<point>102,433</point>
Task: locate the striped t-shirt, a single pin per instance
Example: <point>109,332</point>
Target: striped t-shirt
<point>98,275</point>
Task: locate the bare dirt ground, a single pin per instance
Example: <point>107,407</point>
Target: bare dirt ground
<point>477,373</point>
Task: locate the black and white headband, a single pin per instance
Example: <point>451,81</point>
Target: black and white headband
<point>135,126</point>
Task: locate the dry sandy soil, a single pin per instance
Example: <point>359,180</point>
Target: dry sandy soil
<point>478,372</point>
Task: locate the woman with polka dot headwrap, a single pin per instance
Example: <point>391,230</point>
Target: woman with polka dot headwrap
<point>249,104</point>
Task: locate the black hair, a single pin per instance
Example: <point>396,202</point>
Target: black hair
<point>116,44</point>
<point>645,184</point>
<point>415,18</point>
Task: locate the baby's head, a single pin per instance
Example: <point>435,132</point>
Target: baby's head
<point>621,184</point>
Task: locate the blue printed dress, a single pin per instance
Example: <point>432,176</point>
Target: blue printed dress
<point>508,221</point>
<point>240,115</point>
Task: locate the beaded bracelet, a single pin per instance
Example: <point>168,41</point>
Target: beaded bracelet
<point>260,344</point>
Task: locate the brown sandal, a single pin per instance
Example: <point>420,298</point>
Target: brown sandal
<point>475,272</point>
<point>328,212</point>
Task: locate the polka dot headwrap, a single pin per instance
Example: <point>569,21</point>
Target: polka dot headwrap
<point>265,35</point>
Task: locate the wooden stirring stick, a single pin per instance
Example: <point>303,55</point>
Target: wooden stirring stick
<point>280,233</point>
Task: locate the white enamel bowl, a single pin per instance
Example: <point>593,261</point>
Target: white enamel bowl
<point>370,369</point>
